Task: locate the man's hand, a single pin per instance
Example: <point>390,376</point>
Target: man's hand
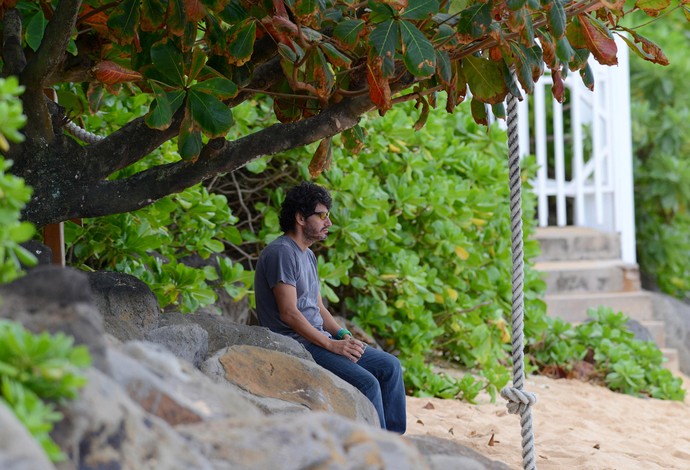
<point>348,347</point>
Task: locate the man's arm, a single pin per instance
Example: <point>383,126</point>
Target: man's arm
<point>329,323</point>
<point>286,298</point>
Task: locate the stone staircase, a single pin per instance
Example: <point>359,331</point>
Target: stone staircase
<point>582,268</point>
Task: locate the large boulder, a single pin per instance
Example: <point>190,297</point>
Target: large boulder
<point>56,299</point>
<point>277,376</point>
<point>223,332</point>
<point>444,454</point>
<point>129,308</point>
<point>186,341</point>
<point>18,449</point>
<point>105,429</point>
<point>173,389</point>
<point>307,440</point>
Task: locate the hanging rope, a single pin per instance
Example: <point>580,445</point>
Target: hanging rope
<point>519,401</point>
<point>82,134</point>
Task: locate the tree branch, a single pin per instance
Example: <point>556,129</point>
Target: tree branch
<point>50,53</point>
<point>54,44</point>
<point>144,188</point>
<point>12,52</point>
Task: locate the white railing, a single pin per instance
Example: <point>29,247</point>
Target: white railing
<point>584,152</point>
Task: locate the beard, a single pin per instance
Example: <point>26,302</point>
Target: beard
<point>313,234</point>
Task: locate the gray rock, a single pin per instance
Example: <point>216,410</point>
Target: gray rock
<point>105,429</point>
<point>313,440</point>
<point>18,449</point>
<point>53,299</point>
<point>273,374</point>
<point>676,317</point>
<point>43,253</point>
<point>465,458</point>
<point>172,389</point>
<point>639,330</point>
<point>188,342</point>
<point>223,332</point>
<point>129,307</point>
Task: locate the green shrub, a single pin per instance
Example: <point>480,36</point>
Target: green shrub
<point>36,373</point>
<point>622,363</point>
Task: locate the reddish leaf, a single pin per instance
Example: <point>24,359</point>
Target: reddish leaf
<point>279,5</point>
<point>195,10</point>
<point>321,159</point>
<point>599,41</point>
<point>379,89</point>
<point>558,90</point>
<point>649,51</point>
<point>110,73</point>
<point>98,20</point>
<point>652,7</point>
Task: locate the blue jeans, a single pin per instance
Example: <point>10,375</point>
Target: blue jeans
<point>377,375</point>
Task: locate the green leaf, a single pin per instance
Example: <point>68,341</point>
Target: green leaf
<point>444,67</point>
<point>475,20</point>
<point>485,79</point>
<point>652,7</point>
<point>168,62</point>
<point>241,42</point>
<point>555,14</point>
<point>124,19</point>
<point>176,17</point>
<point>385,38</point>
<point>152,14</point>
<point>35,28</point>
<point>564,50</point>
<point>189,142</point>
<point>218,86</point>
<point>418,52</point>
<point>515,4</point>
<point>420,9</point>
<point>234,12</point>
<point>197,65</point>
<point>335,57</point>
<point>347,31</point>
<point>163,107</point>
<point>209,113</point>
<point>379,12</point>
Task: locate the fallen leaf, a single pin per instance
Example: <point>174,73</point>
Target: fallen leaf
<point>597,446</point>
<point>429,406</point>
<point>419,421</point>
<point>450,431</point>
<point>493,441</point>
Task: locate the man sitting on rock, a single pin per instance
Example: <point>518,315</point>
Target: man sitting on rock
<point>288,301</point>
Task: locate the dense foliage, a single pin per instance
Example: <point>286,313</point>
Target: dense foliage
<point>14,194</point>
<point>325,63</point>
<point>419,253</point>
<point>661,144</point>
<point>604,350</point>
<point>37,372</point>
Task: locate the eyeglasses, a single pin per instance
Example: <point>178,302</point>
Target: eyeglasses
<point>323,215</point>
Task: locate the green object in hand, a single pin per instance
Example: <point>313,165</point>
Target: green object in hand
<point>342,332</point>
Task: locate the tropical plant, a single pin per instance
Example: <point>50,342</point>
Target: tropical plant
<point>325,63</point>
<point>662,171</point>
<point>14,194</point>
<point>38,372</point>
<point>619,361</point>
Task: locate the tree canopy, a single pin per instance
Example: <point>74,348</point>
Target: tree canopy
<point>323,63</point>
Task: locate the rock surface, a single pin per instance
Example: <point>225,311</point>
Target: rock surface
<point>203,393</point>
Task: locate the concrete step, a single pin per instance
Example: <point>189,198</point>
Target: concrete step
<point>576,243</point>
<point>589,276</point>
<point>672,361</point>
<point>572,307</point>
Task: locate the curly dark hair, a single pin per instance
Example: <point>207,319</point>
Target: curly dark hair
<point>302,199</point>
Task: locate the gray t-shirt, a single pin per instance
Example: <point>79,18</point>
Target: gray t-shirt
<point>283,261</point>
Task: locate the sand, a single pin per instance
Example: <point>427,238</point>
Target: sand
<point>577,425</point>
